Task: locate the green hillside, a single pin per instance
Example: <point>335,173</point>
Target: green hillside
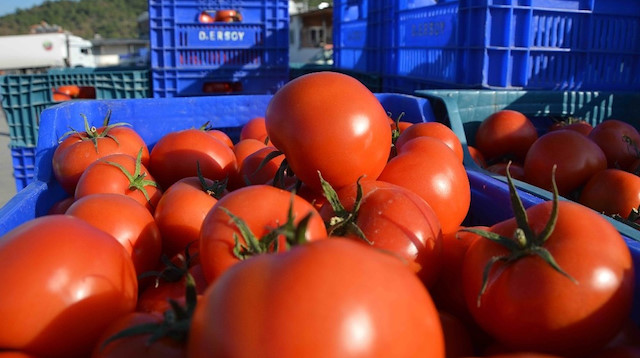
<point>109,18</point>
<point>85,18</point>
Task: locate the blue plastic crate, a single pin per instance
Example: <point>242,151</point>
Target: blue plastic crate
<point>152,118</point>
<point>359,34</point>
<point>24,97</point>
<point>182,47</point>
<point>203,82</point>
<point>24,164</point>
<point>535,44</point>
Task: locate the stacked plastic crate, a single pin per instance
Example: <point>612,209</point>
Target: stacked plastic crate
<point>25,96</point>
<point>504,44</point>
<point>209,47</point>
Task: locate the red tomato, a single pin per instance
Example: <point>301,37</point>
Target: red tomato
<point>127,221</point>
<point>618,140</point>
<point>221,136</point>
<point>441,180</point>
<point>73,281</point>
<point>177,155</point>
<point>60,97</point>
<point>245,147</point>
<point>171,286</point>
<point>577,159</point>
<point>505,134</point>
<point>255,128</point>
<point>456,337</point>
<point>515,170</point>
<point>263,208</point>
<point>393,219</point>
<point>612,191</point>
<point>69,90</point>
<point>181,211</point>
<point>448,293</point>
<point>256,170</point>
<point>435,130</point>
<point>327,298</point>
<point>120,174</point>
<point>137,345</point>
<point>528,305</point>
<point>330,123</point>
<point>61,206</point>
<point>581,127</point>
<point>74,154</point>
<point>477,156</point>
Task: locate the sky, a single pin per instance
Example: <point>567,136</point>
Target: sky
<point>10,6</point>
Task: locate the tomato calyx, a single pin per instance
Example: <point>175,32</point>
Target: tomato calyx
<point>395,132</point>
<point>284,170</point>
<point>216,189</point>
<point>293,233</point>
<point>344,221</point>
<point>524,241</point>
<point>173,271</point>
<point>137,179</point>
<point>174,325</point>
<point>92,133</point>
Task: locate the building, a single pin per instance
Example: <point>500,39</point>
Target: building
<point>310,34</point>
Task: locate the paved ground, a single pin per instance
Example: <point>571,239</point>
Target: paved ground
<point>7,183</point>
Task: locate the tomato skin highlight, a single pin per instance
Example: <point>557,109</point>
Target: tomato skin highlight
<point>327,298</point>
<point>331,123</point>
<point>79,279</point>
<point>529,306</point>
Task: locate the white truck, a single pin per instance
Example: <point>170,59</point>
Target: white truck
<point>37,52</point>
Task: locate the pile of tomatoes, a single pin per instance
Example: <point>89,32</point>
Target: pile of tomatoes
<point>597,166</point>
<point>328,229</point>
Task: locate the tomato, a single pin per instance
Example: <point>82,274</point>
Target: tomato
<point>515,170</point>
<point>477,156</point>
<point>456,337</point>
<point>326,298</point>
<point>127,221</point>
<point>331,123</point>
<point>256,170</point>
<point>120,174</point>
<point>448,292</point>
<point>61,206</point>
<point>435,130</point>
<point>612,191</point>
<point>528,305</point>
<point>255,128</point>
<point>394,219</point>
<point>74,154</point>
<point>581,127</point>
<point>181,211</point>
<point>505,134</point>
<point>430,168</point>
<point>69,281</point>
<point>577,159</point>
<point>618,140</point>
<point>61,97</point>
<point>263,208</point>
<point>69,90</point>
<point>221,136</point>
<point>136,345</point>
<point>170,282</point>
<point>177,155</point>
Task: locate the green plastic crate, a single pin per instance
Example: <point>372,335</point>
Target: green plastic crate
<point>24,97</point>
<point>466,109</point>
